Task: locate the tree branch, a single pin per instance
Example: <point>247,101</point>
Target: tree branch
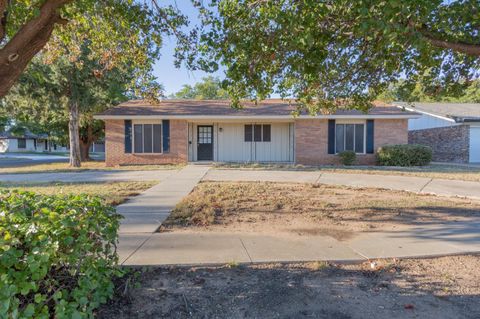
<point>462,47</point>
<point>27,42</point>
<point>457,46</point>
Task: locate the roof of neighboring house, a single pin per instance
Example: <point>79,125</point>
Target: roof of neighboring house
<point>458,112</point>
<point>27,134</point>
<point>273,108</point>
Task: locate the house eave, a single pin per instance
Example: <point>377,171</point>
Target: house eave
<point>250,117</point>
<point>412,109</point>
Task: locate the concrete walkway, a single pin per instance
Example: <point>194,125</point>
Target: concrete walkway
<point>188,248</point>
<point>422,185</point>
<point>146,212</point>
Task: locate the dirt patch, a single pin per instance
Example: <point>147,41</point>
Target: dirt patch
<point>445,287</point>
<point>306,209</point>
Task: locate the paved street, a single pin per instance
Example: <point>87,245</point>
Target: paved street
<point>20,160</point>
<point>90,176</point>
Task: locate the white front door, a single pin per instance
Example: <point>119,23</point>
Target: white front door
<point>474,144</point>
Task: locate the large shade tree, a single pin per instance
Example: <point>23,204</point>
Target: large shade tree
<point>43,96</point>
<point>338,53</point>
<point>117,32</point>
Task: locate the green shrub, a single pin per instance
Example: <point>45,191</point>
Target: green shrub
<point>347,157</point>
<point>57,255</point>
<point>404,155</point>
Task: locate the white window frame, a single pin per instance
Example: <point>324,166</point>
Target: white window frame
<point>343,122</point>
<point>143,136</point>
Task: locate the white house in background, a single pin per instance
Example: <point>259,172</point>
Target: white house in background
<point>27,142</point>
<point>452,130</point>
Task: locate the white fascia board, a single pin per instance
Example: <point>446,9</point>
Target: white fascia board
<point>412,109</point>
<point>250,118</point>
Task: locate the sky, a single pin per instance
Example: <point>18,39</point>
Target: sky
<point>167,74</point>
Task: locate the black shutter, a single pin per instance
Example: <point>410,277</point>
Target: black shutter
<point>166,136</point>
<point>128,136</point>
<point>370,134</point>
<point>331,136</point>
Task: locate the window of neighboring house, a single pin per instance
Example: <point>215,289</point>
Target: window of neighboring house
<point>258,133</point>
<point>147,138</point>
<point>22,143</point>
<point>350,137</point>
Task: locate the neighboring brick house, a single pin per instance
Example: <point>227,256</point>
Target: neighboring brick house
<point>179,131</point>
<point>452,130</point>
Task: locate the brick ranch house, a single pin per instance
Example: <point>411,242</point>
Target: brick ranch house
<point>452,130</point>
<point>180,131</point>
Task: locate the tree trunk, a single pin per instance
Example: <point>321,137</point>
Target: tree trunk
<point>74,135</point>
<point>85,151</point>
<point>85,143</point>
<point>27,42</point>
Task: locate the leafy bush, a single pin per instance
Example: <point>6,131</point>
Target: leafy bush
<point>57,255</point>
<point>347,157</point>
<point>404,155</point>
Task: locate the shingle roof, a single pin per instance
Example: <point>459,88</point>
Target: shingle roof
<point>194,108</point>
<point>460,112</point>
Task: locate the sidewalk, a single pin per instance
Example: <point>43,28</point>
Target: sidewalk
<point>204,247</point>
<point>423,185</point>
<point>145,212</point>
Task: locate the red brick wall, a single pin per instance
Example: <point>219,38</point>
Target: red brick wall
<point>115,148</point>
<point>311,140</point>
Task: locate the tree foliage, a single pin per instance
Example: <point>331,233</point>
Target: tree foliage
<point>210,88</point>
<point>100,39</point>
<point>421,93</point>
<point>118,31</point>
<point>338,53</point>
<point>42,97</point>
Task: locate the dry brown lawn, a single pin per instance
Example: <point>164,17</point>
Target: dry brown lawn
<point>113,193</point>
<point>307,209</point>
<point>86,166</point>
